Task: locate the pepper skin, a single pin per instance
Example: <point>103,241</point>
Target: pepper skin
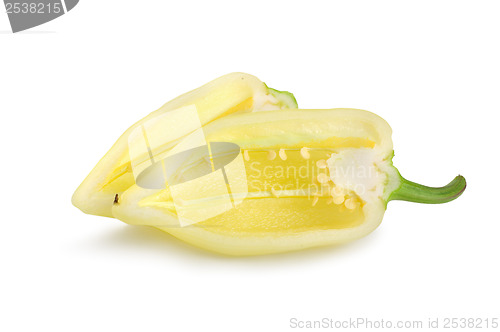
<point>258,176</point>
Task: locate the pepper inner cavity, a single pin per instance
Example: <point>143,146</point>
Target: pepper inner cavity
<point>282,183</point>
<point>295,173</point>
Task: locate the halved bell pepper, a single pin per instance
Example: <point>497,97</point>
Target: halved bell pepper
<point>248,182</point>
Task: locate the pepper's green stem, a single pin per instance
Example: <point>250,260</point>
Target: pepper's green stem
<point>414,192</point>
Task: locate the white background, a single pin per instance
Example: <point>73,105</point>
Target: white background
<point>70,87</point>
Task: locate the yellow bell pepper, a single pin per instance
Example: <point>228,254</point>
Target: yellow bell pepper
<point>235,168</point>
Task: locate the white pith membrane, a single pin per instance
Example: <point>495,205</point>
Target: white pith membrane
<point>265,102</point>
<point>365,172</point>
